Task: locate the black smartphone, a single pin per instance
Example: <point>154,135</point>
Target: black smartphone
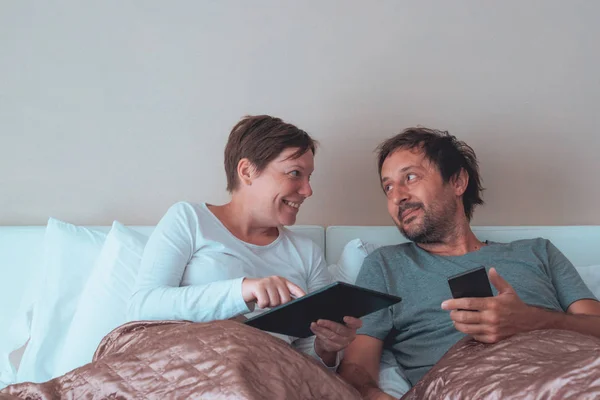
<point>472,283</point>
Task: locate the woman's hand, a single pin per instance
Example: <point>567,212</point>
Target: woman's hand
<point>333,337</point>
<point>269,292</point>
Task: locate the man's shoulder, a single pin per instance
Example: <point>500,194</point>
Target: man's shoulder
<point>535,248</point>
<point>534,244</point>
<point>392,252</point>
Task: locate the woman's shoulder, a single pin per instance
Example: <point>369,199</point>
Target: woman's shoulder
<point>184,215</point>
<point>186,209</point>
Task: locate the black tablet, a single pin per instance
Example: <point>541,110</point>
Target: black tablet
<point>333,302</point>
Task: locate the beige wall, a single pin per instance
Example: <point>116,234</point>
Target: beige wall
<point>115,111</point>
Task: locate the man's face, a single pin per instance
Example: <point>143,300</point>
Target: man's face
<point>420,203</point>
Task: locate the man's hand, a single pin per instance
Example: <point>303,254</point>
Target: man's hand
<point>496,318</point>
<point>332,337</point>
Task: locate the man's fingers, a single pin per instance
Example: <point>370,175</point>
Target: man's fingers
<point>467,303</point>
<point>487,338</point>
<point>499,283</point>
<point>470,329</point>
<point>466,317</point>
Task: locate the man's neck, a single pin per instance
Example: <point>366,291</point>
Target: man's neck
<point>460,241</point>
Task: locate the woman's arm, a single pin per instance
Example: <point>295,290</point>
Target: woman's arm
<point>158,295</point>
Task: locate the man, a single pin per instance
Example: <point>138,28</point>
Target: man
<point>431,181</point>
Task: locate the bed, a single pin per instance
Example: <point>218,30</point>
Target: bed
<point>23,261</point>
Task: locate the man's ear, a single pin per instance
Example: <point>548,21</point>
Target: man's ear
<point>460,181</point>
<point>246,171</point>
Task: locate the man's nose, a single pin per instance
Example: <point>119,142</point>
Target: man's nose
<point>399,195</point>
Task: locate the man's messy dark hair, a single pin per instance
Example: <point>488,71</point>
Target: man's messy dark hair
<point>449,154</point>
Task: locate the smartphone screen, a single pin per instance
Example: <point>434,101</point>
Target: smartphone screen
<point>472,283</point>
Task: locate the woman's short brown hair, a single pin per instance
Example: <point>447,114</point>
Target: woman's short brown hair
<point>260,139</point>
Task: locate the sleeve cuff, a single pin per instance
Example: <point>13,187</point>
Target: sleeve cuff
<point>240,306</point>
<point>313,353</point>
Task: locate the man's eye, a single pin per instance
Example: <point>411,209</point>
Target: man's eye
<point>387,188</point>
<point>295,173</point>
<point>411,177</point>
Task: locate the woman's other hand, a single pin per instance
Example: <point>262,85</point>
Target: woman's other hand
<point>332,336</point>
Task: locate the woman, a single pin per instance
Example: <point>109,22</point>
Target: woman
<point>206,262</point>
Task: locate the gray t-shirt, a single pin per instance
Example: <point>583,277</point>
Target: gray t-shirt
<point>418,331</point>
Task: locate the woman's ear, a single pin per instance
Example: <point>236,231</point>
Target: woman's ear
<point>246,172</point>
<point>460,181</point>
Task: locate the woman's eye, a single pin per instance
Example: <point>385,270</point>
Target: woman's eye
<point>295,173</point>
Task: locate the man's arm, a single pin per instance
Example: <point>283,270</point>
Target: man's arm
<point>506,314</point>
<point>360,367</point>
<point>585,307</point>
<point>582,309</point>
<point>582,316</point>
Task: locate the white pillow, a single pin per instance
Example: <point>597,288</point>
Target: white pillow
<point>69,254</point>
<point>348,266</point>
<point>16,337</point>
<point>103,304</point>
<point>18,329</point>
<point>591,277</point>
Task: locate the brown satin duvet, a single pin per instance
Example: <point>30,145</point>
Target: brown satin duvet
<point>228,360</point>
<point>548,364</point>
<point>184,360</point>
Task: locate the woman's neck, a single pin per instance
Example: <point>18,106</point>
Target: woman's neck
<point>238,218</point>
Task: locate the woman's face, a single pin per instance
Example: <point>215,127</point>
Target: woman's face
<point>280,189</point>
